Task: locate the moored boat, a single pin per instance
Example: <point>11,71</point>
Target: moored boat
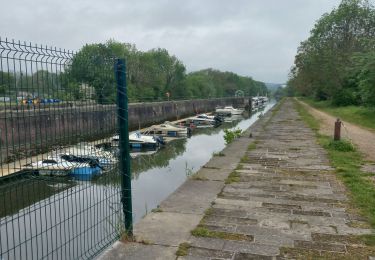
<point>86,152</point>
<point>228,110</point>
<point>139,140</point>
<point>168,129</point>
<point>64,165</point>
<point>204,120</point>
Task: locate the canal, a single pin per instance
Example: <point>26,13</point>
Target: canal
<point>63,218</point>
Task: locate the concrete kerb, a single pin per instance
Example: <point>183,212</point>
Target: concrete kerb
<point>160,233</point>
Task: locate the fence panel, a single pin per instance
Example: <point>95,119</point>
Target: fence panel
<point>59,181</point>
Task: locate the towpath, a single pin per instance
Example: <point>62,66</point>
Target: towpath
<point>364,139</point>
<point>281,201</point>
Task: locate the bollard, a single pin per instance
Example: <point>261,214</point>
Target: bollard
<point>337,133</point>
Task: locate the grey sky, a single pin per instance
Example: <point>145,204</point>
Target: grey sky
<point>255,38</point>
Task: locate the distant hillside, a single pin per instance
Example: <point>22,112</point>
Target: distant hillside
<point>273,86</point>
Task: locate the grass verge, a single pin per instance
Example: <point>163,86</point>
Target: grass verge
<point>362,116</point>
<point>347,162</point>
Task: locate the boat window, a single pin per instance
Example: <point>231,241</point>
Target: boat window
<point>49,161</point>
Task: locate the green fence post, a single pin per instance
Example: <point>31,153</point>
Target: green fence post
<point>124,160</point>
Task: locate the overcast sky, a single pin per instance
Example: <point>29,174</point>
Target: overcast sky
<point>255,38</point>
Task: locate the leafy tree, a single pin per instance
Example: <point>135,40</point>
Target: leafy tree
<point>150,75</point>
<point>324,62</point>
<point>365,67</point>
<point>7,83</point>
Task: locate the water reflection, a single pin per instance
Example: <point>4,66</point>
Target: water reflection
<point>61,213</point>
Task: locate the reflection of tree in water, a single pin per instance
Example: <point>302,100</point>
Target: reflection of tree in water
<point>226,124</point>
<point>146,162</point>
<point>16,194</point>
<point>159,159</point>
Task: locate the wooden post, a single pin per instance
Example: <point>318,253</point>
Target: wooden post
<point>337,133</point>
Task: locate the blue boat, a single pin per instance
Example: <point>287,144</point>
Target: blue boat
<point>86,173</point>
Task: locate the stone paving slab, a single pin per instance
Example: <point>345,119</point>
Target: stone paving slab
<point>185,199</point>
<point>166,228</point>
<point>287,192</point>
<point>285,203</point>
<point>136,251</point>
<point>212,174</point>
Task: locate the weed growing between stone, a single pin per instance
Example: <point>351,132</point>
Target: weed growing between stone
<point>198,177</point>
<point>183,249</point>
<point>157,210</point>
<point>220,154</point>
<point>233,177</point>
<point>201,231</point>
<point>252,146</point>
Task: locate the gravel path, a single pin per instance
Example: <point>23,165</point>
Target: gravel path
<point>362,138</point>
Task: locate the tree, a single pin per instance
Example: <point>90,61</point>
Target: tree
<point>7,83</point>
<point>323,61</point>
<point>365,67</point>
<point>150,75</point>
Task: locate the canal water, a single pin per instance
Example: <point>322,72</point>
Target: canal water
<point>56,218</point>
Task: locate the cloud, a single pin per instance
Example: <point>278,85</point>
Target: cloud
<point>255,38</point>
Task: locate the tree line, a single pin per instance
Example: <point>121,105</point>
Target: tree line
<point>337,61</point>
<point>151,76</point>
<point>155,75</point>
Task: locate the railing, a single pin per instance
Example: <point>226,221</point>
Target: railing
<point>59,192</point>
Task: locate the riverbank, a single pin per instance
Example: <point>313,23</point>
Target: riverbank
<point>272,195</point>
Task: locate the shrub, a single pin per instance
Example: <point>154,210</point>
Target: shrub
<point>230,135</point>
<point>341,145</point>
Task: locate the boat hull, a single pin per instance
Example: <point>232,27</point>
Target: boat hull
<point>86,173</point>
<point>49,172</point>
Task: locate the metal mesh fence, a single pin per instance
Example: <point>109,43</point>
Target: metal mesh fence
<point>59,180</point>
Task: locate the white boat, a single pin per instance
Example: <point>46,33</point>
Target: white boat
<point>255,102</point>
<point>62,165</point>
<point>168,129</point>
<point>204,120</point>
<point>259,101</point>
<point>139,140</point>
<point>89,152</point>
<point>263,100</point>
<point>228,110</point>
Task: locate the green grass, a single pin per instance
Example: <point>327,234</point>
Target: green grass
<point>157,210</point>
<point>340,145</point>
<point>183,249</point>
<point>252,146</point>
<point>347,162</point>
<point>359,115</point>
<point>233,177</point>
<point>204,232</point>
<point>198,177</point>
<point>219,154</point>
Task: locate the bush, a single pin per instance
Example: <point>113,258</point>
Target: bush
<point>345,97</point>
<point>341,145</point>
<point>230,135</point>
